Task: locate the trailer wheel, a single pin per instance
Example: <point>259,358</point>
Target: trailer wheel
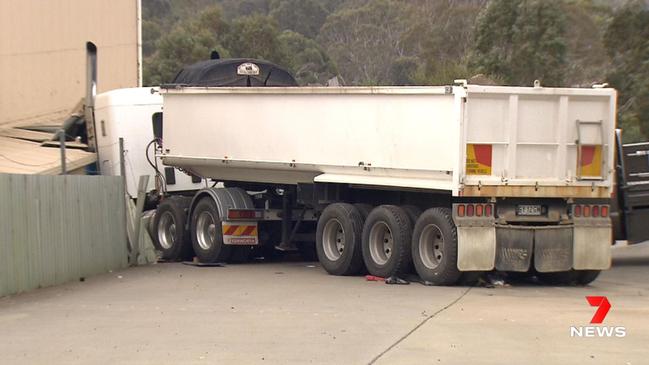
<point>386,241</point>
<point>170,236</point>
<point>364,209</point>
<point>434,247</point>
<point>558,278</point>
<point>413,213</point>
<point>586,277</point>
<point>207,235</point>
<point>338,239</point>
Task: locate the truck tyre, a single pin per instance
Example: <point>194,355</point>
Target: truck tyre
<point>586,277</point>
<point>364,209</point>
<point>558,278</point>
<point>207,234</point>
<point>413,213</point>
<point>386,241</point>
<point>338,239</point>
<point>434,247</point>
<point>170,236</point>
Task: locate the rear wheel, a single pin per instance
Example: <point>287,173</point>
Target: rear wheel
<point>338,239</point>
<point>434,247</point>
<point>586,277</point>
<point>170,236</point>
<point>558,278</point>
<point>386,241</point>
<point>207,234</point>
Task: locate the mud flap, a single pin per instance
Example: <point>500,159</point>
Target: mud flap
<point>514,249</point>
<point>553,249</point>
<point>592,249</point>
<point>476,248</point>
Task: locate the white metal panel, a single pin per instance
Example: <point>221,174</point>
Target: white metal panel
<point>127,113</point>
<point>291,135</point>
<point>533,133</point>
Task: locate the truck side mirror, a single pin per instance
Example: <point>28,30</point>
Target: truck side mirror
<point>157,125</point>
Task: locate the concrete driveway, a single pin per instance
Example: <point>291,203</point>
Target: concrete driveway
<point>293,313</point>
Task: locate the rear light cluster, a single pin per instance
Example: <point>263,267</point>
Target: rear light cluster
<point>587,210</point>
<point>234,214</point>
<point>475,210</point>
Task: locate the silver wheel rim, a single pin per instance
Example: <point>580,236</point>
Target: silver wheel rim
<point>381,243</point>
<point>167,230</point>
<point>205,230</point>
<point>431,246</point>
<point>333,239</point>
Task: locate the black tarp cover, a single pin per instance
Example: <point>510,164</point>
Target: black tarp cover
<point>223,72</point>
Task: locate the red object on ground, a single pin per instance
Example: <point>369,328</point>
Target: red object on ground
<point>374,278</point>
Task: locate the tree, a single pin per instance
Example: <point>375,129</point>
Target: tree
<point>365,41</point>
<point>255,36</point>
<point>301,16</point>
<point>521,40</point>
<point>627,44</point>
<point>306,59</point>
<point>187,43</point>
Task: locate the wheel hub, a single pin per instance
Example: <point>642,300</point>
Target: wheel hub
<point>431,246</point>
<point>381,243</point>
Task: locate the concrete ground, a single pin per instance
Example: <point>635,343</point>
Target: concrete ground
<point>294,313</point>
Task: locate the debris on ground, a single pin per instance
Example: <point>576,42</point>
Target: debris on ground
<point>396,281</point>
<point>374,278</point>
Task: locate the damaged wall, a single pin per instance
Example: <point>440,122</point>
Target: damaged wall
<point>42,54</point>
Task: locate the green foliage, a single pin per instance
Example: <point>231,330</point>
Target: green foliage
<point>627,43</point>
<point>306,59</point>
<point>255,36</point>
<point>302,16</point>
<point>365,41</point>
<point>416,42</point>
<point>522,40</point>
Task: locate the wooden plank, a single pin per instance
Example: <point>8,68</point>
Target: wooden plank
<point>25,134</point>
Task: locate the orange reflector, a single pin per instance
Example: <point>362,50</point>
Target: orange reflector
<point>604,211</point>
<point>478,210</point>
<point>469,210</point>
<point>460,210</point>
<point>595,210</point>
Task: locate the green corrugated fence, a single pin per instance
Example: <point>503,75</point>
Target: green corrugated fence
<point>55,229</point>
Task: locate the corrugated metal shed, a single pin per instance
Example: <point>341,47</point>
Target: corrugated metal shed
<point>55,229</point>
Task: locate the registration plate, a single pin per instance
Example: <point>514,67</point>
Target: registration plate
<point>528,210</point>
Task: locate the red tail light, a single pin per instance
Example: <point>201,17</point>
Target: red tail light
<point>478,210</point>
<point>604,211</point>
<point>595,210</point>
<point>586,210</point>
<point>460,210</point>
<point>469,210</point>
<point>244,214</point>
<point>488,210</point>
<point>577,211</point>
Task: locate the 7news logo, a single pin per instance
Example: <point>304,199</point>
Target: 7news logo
<point>603,306</point>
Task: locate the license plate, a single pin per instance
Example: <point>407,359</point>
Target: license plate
<point>240,233</point>
<point>528,209</point>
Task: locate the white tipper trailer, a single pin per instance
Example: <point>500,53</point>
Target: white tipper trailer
<point>452,180</point>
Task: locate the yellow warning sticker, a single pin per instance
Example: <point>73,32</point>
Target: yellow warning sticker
<point>478,159</point>
<point>591,161</point>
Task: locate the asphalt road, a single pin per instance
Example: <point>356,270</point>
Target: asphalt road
<point>293,313</point>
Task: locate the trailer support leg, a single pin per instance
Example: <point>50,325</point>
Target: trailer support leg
<point>287,217</point>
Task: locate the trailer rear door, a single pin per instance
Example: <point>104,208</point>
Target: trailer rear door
<point>541,142</point>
